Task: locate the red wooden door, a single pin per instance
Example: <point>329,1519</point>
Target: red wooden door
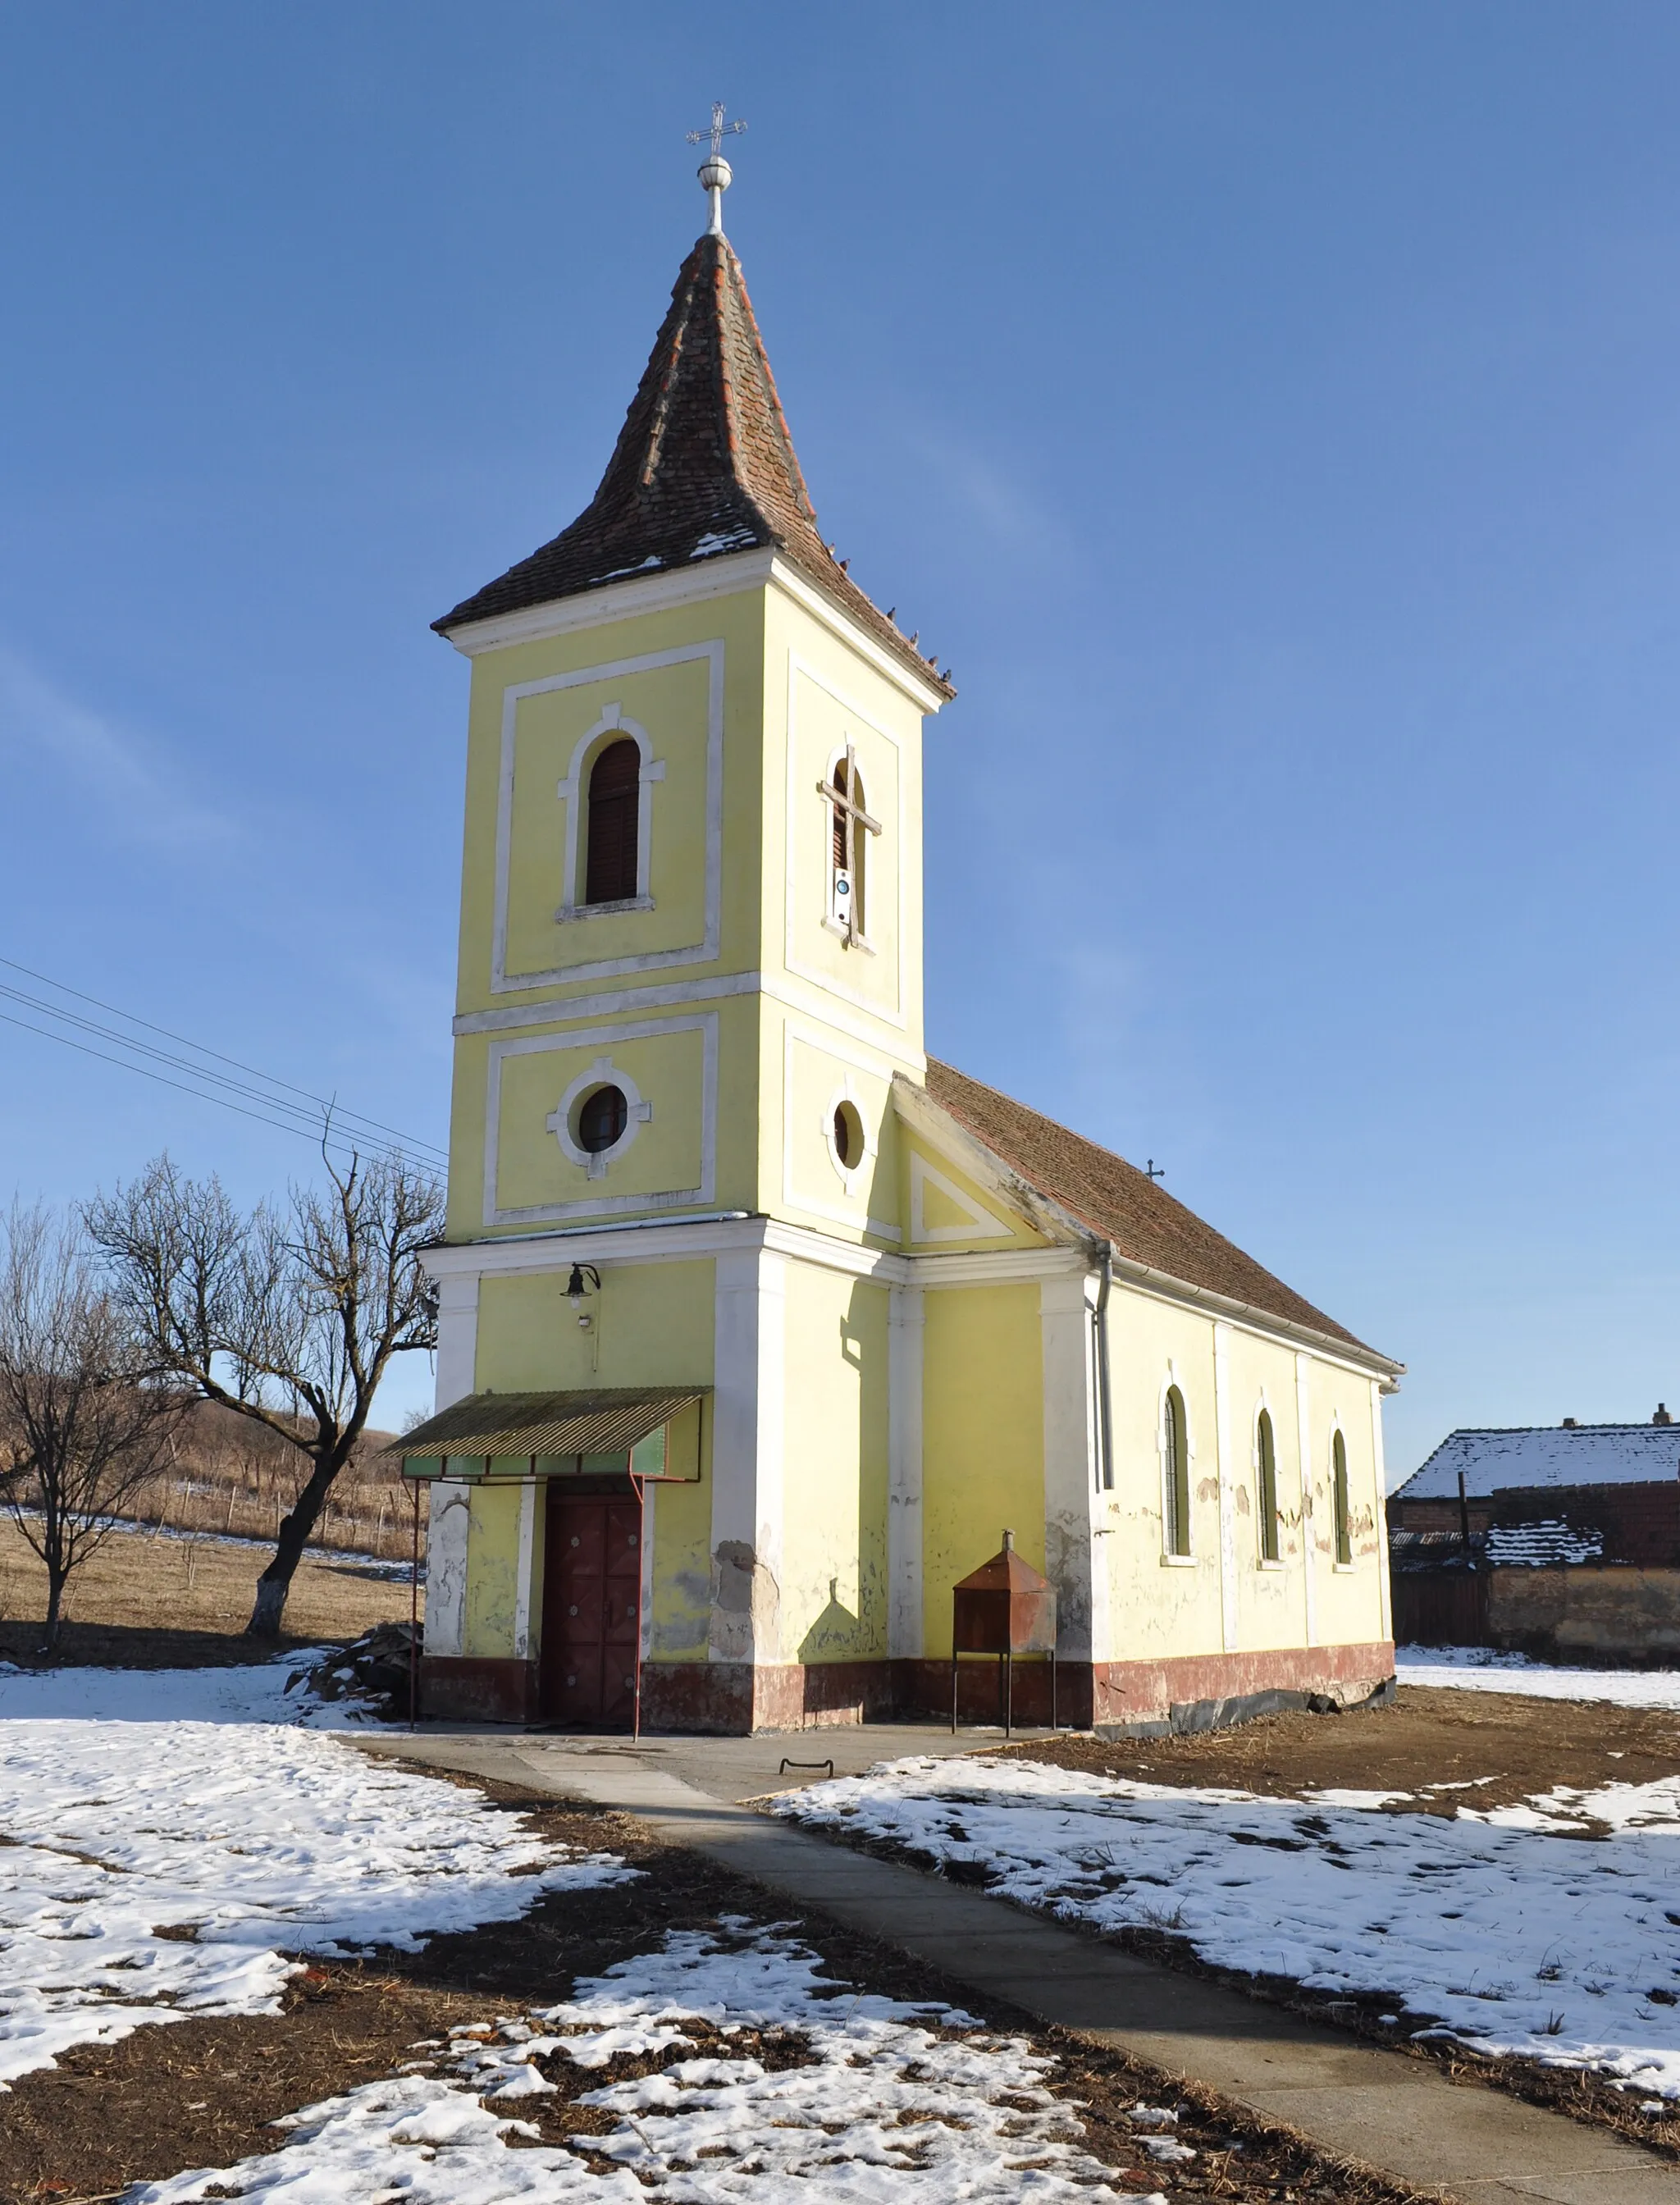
<point>591,1585</point>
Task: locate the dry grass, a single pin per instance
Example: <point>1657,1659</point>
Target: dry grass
<point>229,1476</point>
<point>139,1584</point>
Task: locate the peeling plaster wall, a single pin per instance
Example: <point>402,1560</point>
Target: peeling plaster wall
<point>1160,1610</point>
<point>680,1612</point>
<point>834,1577</point>
<point>492,1579</point>
<point>982,1438</point>
<point>1224,1599</point>
<point>1561,1615</point>
<point>448,1504</point>
<point>1349,1599</point>
<point>1271,1598</point>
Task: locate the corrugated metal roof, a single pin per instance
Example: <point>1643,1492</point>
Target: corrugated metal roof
<point>1546,1454</point>
<point>608,1421</point>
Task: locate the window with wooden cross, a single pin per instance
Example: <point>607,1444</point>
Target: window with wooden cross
<point>849,824</point>
<point>614,823</point>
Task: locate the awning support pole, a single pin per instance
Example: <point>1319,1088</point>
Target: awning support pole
<point>414,1617</point>
<point>638,1489</point>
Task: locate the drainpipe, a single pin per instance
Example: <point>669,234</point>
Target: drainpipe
<point>1105,1405</point>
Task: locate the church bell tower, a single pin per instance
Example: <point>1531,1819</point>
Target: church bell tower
<point>690,970</point>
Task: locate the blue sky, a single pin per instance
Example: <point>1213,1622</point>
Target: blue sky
<point>1271,415</point>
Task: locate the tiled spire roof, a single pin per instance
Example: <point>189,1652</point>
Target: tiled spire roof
<point>704,466</point>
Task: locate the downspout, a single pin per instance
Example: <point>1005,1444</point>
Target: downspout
<point>1104,1403</point>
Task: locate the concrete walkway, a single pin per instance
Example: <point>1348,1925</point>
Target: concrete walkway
<point>1402,2115</point>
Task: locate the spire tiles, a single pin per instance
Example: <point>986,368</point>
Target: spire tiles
<point>704,465</point>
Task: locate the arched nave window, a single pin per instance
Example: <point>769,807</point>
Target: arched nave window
<point>1266,1454</point>
<point>1175,1472</point>
<point>1338,1501</point>
<point>614,823</point>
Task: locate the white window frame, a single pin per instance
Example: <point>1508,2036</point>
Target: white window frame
<point>832,921</point>
<point>573,794</point>
<point>1263,1407</point>
<point>603,1073</point>
<point>1170,1560</point>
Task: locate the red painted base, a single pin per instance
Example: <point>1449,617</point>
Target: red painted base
<point>465,1688</point>
<point>734,1698</point>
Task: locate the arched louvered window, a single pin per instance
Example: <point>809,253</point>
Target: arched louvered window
<point>849,836</point>
<point>1175,1473</point>
<point>1266,1457</point>
<point>1339,1499</point>
<point>614,822</point>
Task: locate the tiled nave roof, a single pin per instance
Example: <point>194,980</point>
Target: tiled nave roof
<point>1123,1205</point>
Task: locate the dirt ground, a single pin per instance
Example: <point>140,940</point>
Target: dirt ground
<point>199,2093</point>
<point>1447,1748</point>
<point>151,1602</point>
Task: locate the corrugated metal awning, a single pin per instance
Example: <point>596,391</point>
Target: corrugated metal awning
<point>609,1421</point>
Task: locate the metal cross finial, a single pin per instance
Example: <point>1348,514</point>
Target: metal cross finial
<point>715,174</point>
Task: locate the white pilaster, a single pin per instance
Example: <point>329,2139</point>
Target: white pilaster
<point>457,1337</point>
<point>1304,1445</point>
<point>1385,1594</point>
<point>903,1490</point>
<point>449,1505</point>
<point>747,1448</point>
<point>1074,1560</point>
<point>1228,1627</point>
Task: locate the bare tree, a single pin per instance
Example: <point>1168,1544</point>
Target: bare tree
<point>289,1317</point>
<point>84,1421</point>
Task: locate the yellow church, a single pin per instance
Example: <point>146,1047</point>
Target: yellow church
<point>758,1326</point>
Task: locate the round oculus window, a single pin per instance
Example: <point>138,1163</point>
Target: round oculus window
<point>602,1119</point>
<point>848,1136</point>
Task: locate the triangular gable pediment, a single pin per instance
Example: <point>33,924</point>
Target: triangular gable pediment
<point>955,1200</point>
<point>942,1210</point>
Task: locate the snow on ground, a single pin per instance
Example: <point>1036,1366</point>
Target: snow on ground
<point>884,2110</point>
<point>255,1693</point>
<point>1561,1948</point>
<point>1485,1669</point>
<point>131,1809</point>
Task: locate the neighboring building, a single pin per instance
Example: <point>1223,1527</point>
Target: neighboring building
<point>1561,1541</point>
<point>759,1327</point>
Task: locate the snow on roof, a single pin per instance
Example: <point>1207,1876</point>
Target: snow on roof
<point>1548,1454</point>
<point>1542,1546</point>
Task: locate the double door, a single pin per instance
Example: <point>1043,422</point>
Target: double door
<point>591,1608</point>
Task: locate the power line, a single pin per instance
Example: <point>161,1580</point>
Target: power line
<point>302,1120</point>
<point>201,1095</point>
<point>295,1119</point>
<point>268,1079</point>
